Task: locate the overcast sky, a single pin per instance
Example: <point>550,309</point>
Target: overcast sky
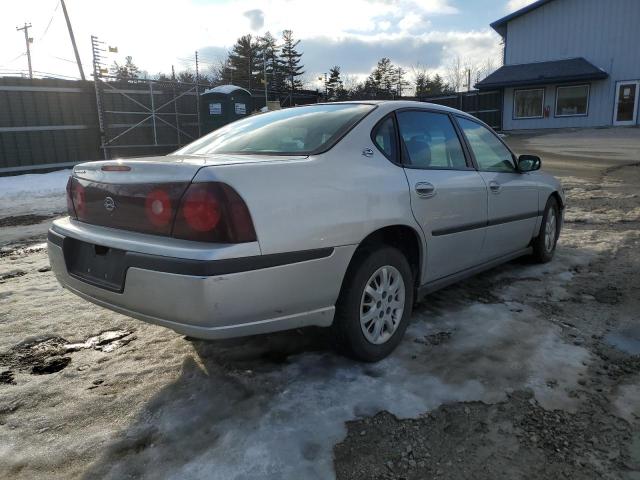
<point>158,33</point>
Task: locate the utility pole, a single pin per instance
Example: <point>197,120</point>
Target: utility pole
<point>198,96</point>
<point>264,65</point>
<point>96,47</point>
<point>27,41</point>
<point>73,39</point>
<point>326,87</point>
<point>468,80</point>
<point>175,104</point>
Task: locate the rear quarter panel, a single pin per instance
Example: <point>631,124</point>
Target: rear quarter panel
<point>332,199</point>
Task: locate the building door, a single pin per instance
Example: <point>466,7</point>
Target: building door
<point>626,105</point>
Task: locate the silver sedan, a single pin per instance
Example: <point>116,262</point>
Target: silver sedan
<point>335,215</point>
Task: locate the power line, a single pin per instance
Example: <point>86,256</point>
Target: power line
<point>14,59</point>
<point>50,21</point>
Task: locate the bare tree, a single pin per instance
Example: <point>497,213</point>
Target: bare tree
<point>456,73</point>
<point>460,70</point>
<point>349,82</point>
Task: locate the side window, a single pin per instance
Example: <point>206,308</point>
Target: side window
<point>385,138</point>
<point>430,140</point>
<point>491,154</point>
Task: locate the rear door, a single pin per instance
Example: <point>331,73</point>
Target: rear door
<point>448,197</point>
<point>513,196</point>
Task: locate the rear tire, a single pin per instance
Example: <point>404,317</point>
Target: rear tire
<point>544,246</point>
<point>374,305</point>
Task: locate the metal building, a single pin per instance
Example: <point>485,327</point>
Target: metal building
<point>569,63</point>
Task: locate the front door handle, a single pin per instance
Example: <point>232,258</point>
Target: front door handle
<point>495,187</point>
<point>425,189</point>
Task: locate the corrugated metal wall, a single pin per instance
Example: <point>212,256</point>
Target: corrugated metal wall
<point>46,122</point>
<point>50,123</point>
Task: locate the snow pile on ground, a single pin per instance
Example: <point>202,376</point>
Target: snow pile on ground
<point>38,193</point>
<point>269,406</point>
<point>281,421</point>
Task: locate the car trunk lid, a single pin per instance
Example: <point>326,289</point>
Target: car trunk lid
<point>122,193</point>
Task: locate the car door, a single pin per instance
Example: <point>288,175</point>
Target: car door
<point>513,196</point>
<point>448,197</point>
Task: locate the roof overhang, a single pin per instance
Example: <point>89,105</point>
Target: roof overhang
<point>500,25</point>
<point>543,73</point>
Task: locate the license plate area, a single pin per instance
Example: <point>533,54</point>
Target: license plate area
<point>97,265</point>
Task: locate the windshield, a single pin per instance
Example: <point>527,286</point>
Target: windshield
<point>298,131</point>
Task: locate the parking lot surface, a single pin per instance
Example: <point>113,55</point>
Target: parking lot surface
<point>525,371</point>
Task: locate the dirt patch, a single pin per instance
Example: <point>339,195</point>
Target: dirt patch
<point>50,365</point>
<point>7,377</point>
<point>21,220</point>
<point>24,247</point>
<point>12,274</point>
<point>435,338</point>
<point>47,355</point>
<point>512,439</point>
<point>39,356</point>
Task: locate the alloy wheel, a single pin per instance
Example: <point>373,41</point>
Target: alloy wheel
<point>382,305</point>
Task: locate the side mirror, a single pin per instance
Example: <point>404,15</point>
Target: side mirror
<point>529,163</point>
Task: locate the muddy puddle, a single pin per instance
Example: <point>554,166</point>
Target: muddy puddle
<point>51,354</point>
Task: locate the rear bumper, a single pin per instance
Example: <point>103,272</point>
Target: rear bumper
<point>260,297</point>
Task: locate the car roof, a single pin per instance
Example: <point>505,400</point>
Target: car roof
<point>390,105</point>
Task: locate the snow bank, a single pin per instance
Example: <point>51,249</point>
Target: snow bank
<point>34,193</point>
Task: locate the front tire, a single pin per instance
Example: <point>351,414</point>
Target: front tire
<point>544,246</point>
<point>374,305</point>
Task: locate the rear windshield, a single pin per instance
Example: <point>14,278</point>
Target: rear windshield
<point>299,131</point>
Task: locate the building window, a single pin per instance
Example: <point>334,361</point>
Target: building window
<point>572,101</point>
<point>528,103</point>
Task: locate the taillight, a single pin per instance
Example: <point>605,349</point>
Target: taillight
<point>76,199</point>
<point>213,212</point>
<point>157,206</point>
<point>201,208</point>
<point>70,209</point>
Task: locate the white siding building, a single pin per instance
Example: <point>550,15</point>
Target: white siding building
<point>569,63</point>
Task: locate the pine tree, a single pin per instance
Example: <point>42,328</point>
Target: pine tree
<point>335,87</point>
<point>186,76</point>
<point>243,61</point>
<point>291,61</point>
<point>400,82</point>
<point>268,52</point>
<point>382,81</point>
<point>127,71</point>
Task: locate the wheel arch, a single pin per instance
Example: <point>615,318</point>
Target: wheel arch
<point>555,194</point>
<point>403,237</point>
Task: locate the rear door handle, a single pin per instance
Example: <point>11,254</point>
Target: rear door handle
<point>425,189</point>
<point>495,187</point>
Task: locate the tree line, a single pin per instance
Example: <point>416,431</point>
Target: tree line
<point>254,61</point>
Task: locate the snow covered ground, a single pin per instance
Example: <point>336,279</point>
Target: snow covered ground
<point>37,193</point>
<point>142,401</point>
<point>264,407</point>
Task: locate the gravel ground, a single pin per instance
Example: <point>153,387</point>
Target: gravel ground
<point>525,371</point>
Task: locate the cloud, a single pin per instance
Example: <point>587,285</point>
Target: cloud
<point>256,18</point>
<point>353,34</point>
<point>513,5</point>
<point>413,23</point>
<point>359,55</point>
